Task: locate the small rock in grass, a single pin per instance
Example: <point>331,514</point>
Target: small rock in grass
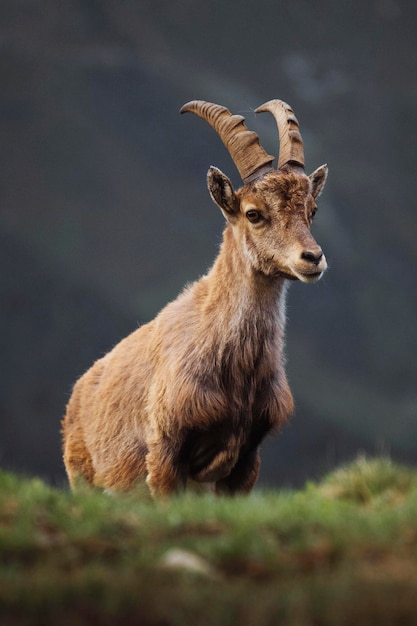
<point>177,558</point>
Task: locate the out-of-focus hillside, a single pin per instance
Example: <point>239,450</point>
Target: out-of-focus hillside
<point>104,213</point>
<point>341,551</point>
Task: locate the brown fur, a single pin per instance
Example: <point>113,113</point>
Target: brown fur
<point>192,394</point>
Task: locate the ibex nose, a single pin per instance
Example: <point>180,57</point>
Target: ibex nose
<point>312,256</point>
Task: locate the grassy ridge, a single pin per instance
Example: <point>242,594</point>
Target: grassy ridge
<point>340,552</point>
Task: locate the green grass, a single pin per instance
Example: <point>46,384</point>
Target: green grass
<point>337,553</point>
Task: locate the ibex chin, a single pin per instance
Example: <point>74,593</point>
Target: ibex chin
<point>191,395</point>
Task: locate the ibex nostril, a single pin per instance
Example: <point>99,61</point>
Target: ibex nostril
<point>312,257</point>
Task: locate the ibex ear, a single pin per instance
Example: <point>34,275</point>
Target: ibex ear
<point>318,179</point>
<point>222,192</point>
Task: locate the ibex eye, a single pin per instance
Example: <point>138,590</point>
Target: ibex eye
<point>254,216</point>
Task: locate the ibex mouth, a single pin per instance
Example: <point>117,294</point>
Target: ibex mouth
<point>309,277</point>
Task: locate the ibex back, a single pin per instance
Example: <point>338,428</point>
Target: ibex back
<point>191,395</point>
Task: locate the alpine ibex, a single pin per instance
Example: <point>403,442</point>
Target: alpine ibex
<point>192,394</point>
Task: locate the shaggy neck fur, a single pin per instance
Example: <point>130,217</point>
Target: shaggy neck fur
<point>244,309</point>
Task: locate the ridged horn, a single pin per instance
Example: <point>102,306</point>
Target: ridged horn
<point>243,145</point>
<point>291,150</point>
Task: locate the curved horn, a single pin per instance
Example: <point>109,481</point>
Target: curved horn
<point>243,145</point>
<point>291,150</point>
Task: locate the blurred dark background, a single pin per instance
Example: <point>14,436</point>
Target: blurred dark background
<point>104,213</point>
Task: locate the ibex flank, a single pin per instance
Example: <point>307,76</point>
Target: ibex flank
<point>190,396</point>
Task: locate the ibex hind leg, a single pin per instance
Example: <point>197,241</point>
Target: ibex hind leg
<point>77,459</point>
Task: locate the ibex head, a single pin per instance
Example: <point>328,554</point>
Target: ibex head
<point>272,213</point>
